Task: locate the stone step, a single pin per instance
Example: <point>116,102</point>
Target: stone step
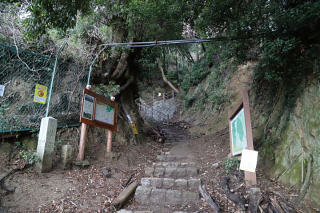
<point>173,164</point>
<point>170,157</point>
<point>165,153</point>
<point>135,211</point>
<point>171,172</point>
<point>170,183</point>
<point>149,195</point>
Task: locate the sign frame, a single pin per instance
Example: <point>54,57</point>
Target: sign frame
<point>243,104</point>
<point>99,99</point>
<point>250,177</point>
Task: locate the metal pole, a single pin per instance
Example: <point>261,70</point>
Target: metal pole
<point>94,60</point>
<point>52,78</point>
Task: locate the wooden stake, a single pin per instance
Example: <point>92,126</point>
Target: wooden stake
<point>109,143</point>
<point>82,144</point>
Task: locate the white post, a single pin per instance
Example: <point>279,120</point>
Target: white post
<point>46,141</point>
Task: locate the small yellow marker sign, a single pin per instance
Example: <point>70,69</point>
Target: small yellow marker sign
<point>134,129</point>
<point>40,94</point>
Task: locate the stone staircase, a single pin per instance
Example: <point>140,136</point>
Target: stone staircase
<point>169,184</point>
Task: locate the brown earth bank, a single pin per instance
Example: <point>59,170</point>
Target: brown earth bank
<point>93,189</point>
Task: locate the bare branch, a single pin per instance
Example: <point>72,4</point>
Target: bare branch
<point>165,78</point>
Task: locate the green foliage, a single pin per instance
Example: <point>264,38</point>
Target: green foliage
<point>29,156</point>
<point>18,144</point>
<point>107,90</point>
<point>49,14</point>
<point>231,164</point>
<point>188,101</point>
<point>281,34</point>
<point>3,118</point>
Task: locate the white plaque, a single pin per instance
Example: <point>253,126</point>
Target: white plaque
<point>2,87</point>
<point>249,159</point>
<point>87,110</point>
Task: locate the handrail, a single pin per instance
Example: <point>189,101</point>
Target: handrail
<point>166,95</point>
<point>150,108</point>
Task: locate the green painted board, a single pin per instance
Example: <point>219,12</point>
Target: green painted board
<point>238,131</point>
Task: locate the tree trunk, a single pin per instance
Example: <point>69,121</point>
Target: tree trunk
<point>119,68</point>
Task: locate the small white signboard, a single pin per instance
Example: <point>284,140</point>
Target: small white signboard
<point>2,87</point>
<point>249,159</point>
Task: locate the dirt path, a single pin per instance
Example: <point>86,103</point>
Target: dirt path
<point>88,190</point>
<point>78,190</point>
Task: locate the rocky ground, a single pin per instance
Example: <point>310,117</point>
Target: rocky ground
<point>92,189</point>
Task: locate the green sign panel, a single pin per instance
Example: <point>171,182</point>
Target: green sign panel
<point>238,131</point>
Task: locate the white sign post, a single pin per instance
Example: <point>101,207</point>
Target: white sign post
<point>2,87</point>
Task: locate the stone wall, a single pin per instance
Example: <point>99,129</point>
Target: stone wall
<point>301,140</point>
<point>286,136</point>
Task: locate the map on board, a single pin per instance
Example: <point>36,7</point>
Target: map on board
<point>238,131</point>
<point>104,113</point>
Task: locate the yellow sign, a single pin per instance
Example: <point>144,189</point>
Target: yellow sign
<point>40,94</point>
<point>134,129</point>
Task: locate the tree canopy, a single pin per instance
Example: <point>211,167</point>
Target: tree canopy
<point>282,35</point>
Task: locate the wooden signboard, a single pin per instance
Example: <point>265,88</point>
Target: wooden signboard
<point>98,111</point>
<point>241,132</point>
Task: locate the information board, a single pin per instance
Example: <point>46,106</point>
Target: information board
<point>241,138</point>
<point>238,132</point>
<point>98,111</point>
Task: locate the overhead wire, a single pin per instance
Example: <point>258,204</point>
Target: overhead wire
<point>140,44</point>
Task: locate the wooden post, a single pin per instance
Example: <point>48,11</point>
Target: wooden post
<point>250,177</point>
<point>109,143</point>
<point>82,144</point>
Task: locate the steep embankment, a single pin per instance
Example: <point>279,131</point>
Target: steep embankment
<point>285,132</point>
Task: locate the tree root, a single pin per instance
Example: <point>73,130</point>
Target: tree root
<point>215,208</point>
<point>238,199</point>
<point>11,172</point>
